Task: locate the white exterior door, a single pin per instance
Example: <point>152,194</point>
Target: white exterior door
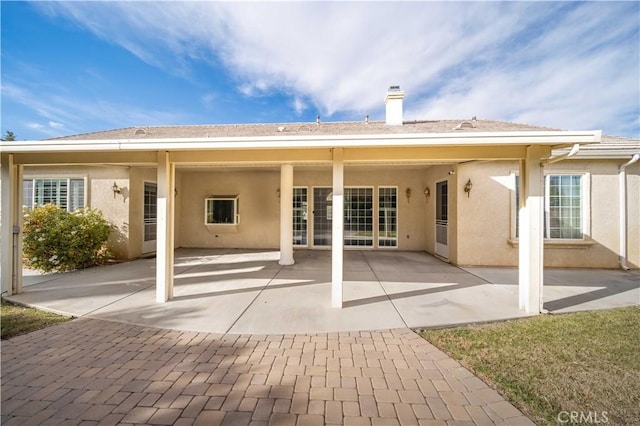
<point>442,219</point>
<point>150,211</point>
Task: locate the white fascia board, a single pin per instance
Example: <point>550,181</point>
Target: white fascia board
<point>608,154</point>
<point>601,152</point>
<point>554,138</point>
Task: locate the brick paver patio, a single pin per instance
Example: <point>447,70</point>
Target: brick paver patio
<point>92,372</point>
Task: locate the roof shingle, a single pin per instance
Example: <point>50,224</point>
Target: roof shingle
<point>328,128</point>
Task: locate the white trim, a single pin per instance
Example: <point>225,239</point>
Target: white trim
<point>307,212</point>
<point>514,208</point>
<point>445,249</point>
<point>149,246</point>
<point>236,209</point>
<point>377,218</point>
<point>313,209</point>
<point>603,153</point>
<point>68,178</point>
<point>373,214</point>
<point>553,138</point>
<point>374,235</point>
<point>585,194</point>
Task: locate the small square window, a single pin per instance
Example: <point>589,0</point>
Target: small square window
<point>221,210</point>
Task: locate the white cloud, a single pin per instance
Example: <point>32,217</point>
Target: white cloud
<point>64,114</point>
<point>587,85</point>
<point>35,126</point>
<point>56,125</point>
<point>209,100</point>
<point>567,65</point>
<point>299,106</point>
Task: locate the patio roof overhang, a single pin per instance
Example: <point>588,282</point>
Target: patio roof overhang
<point>530,148</point>
<point>439,147</point>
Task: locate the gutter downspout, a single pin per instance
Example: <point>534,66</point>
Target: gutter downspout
<point>622,175</point>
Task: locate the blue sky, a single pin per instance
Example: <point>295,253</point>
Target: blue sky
<point>76,67</point>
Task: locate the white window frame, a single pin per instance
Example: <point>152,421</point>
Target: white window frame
<point>373,218</point>
<point>312,206</point>
<point>68,179</point>
<point>585,204</point>
<point>377,217</point>
<point>148,245</point>
<point>236,209</point>
<point>306,212</point>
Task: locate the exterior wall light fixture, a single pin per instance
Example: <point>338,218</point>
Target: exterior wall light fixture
<point>407,192</point>
<point>427,193</point>
<point>467,187</point>
<point>278,193</point>
<point>116,189</point>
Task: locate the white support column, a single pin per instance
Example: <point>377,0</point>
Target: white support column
<point>8,178</point>
<point>19,221</point>
<point>165,228</point>
<point>286,215</point>
<point>337,229</point>
<point>622,210</point>
<point>531,233</point>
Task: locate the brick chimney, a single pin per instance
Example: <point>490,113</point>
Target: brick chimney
<point>393,103</point>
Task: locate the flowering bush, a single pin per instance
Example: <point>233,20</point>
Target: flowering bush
<point>57,240</point>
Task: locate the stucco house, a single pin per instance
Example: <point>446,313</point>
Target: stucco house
<point>472,192</point>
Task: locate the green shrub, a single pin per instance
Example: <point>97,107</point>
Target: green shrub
<point>57,240</point>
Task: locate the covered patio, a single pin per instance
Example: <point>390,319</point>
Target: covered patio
<point>530,148</point>
<point>245,291</point>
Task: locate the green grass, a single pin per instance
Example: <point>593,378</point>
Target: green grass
<point>16,320</point>
<point>584,362</point>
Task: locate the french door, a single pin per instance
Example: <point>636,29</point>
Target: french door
<point>442,219</point>
<point>358,216</point>
<point>149,222</point>
<point>322,216</point>
<point>300,222</point>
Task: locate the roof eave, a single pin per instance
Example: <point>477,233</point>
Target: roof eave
<point>557,139</point>
<point>607,154</point>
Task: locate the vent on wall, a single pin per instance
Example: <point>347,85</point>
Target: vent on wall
<point>140,132</point>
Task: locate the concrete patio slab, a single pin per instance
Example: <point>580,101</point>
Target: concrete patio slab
<point>572,290</point>
<point>80,293</point>
<point>247,291</point>
<point>297,307</point>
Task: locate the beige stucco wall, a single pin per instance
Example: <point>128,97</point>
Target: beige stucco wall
<point>260,209</point>
<point>484,216</point>
<point>480,226</point>
<point>485,219</point>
